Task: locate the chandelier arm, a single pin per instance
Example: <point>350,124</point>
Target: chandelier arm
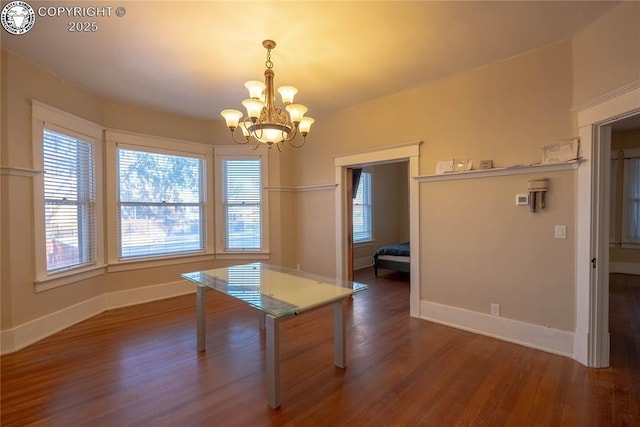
<point>254,147</point>
<point>292,134</point>
<point>255,134</point>
<point>233,136</point>
<point>304,139</point>
<point>279,145</point>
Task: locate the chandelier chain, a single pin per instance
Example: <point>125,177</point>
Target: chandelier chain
<point>268,63</point>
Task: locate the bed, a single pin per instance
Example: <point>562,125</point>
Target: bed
<point>393,257</point>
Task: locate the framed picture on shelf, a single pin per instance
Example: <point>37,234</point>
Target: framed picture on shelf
<point>561,152</point>
<point>460,165</point>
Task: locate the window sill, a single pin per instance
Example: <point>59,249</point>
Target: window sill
<point>140,263</point>
<point>65,278</point>
<point>364,243</point>
<point>630,245</point>
<point>68,277</point>
<point>245,255</point>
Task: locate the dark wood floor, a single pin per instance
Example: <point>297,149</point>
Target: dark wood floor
<point>138,366</point>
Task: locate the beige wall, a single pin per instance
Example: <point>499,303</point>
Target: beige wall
<point>23,82</point>
<point>606,55</point>
<point>315,219</point>
<point>480,248</point>
<point>391,203</point>
<point>505,112</point>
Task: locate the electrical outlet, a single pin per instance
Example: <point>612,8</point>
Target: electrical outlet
<point>495,309</point>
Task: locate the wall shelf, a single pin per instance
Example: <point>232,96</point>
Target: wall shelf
<point>511,170</point>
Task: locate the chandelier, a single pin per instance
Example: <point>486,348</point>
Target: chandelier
<point>265,122</point>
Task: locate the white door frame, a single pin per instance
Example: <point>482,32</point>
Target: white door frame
<point>591,339</point>
<point>410,152</point>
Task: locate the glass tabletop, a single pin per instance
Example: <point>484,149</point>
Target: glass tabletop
<point>278,291</point>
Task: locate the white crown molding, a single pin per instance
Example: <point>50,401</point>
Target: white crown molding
<point>607,96</point>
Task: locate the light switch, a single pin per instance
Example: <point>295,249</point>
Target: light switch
<point>561,231</point>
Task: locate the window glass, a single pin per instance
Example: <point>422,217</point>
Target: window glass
<point>631,200</point>
<point>613,188</point>
<point>242,203</point>
<point>160,203</point>
<point>70,202</point>
<point>362,229</point>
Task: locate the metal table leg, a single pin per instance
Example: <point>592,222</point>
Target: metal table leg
<point>273,360</point>
<point>339,335</point>
<point>200,313</point>
<point>263,317</point>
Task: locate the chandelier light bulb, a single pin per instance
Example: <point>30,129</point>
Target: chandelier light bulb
<point>287,93</point>
<point>254,107</point>
<point>305,125</point>
<point>231,117</point>
<point>255,88</point>
<point>296,111</point>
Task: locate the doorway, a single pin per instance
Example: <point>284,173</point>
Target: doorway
<point>591,338</point>
<point>379,209</point>
<point>410,153</point>
<point>624,250</point>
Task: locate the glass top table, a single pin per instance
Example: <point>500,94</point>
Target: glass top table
<point>278,293</point>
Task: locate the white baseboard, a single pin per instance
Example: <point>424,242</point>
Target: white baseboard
<point>527,334</point>
<point>21,336</point>
<point>624,267</point>
<point>360,263</point>
<point>28,333</point>
<point>148,293</point>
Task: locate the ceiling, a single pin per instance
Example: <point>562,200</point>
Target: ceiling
<point>193,58</point>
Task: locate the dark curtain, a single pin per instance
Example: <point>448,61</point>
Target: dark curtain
<point>356,181</point>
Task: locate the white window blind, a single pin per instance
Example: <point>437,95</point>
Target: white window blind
<point>362,229</point>
<point>246,283</point>
<point>631,200</point>
<point>161,204</point>
<point>242,200</point>
<point>69,193</point>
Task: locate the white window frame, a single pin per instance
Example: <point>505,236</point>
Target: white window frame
<point>370,238</point>
<point>160,145</point>
<point>613,199</point>
<point>241,152</point>
<point>629,153</point>
<point>47,117</point>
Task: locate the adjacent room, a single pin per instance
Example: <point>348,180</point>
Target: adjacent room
<point>437,224</point>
